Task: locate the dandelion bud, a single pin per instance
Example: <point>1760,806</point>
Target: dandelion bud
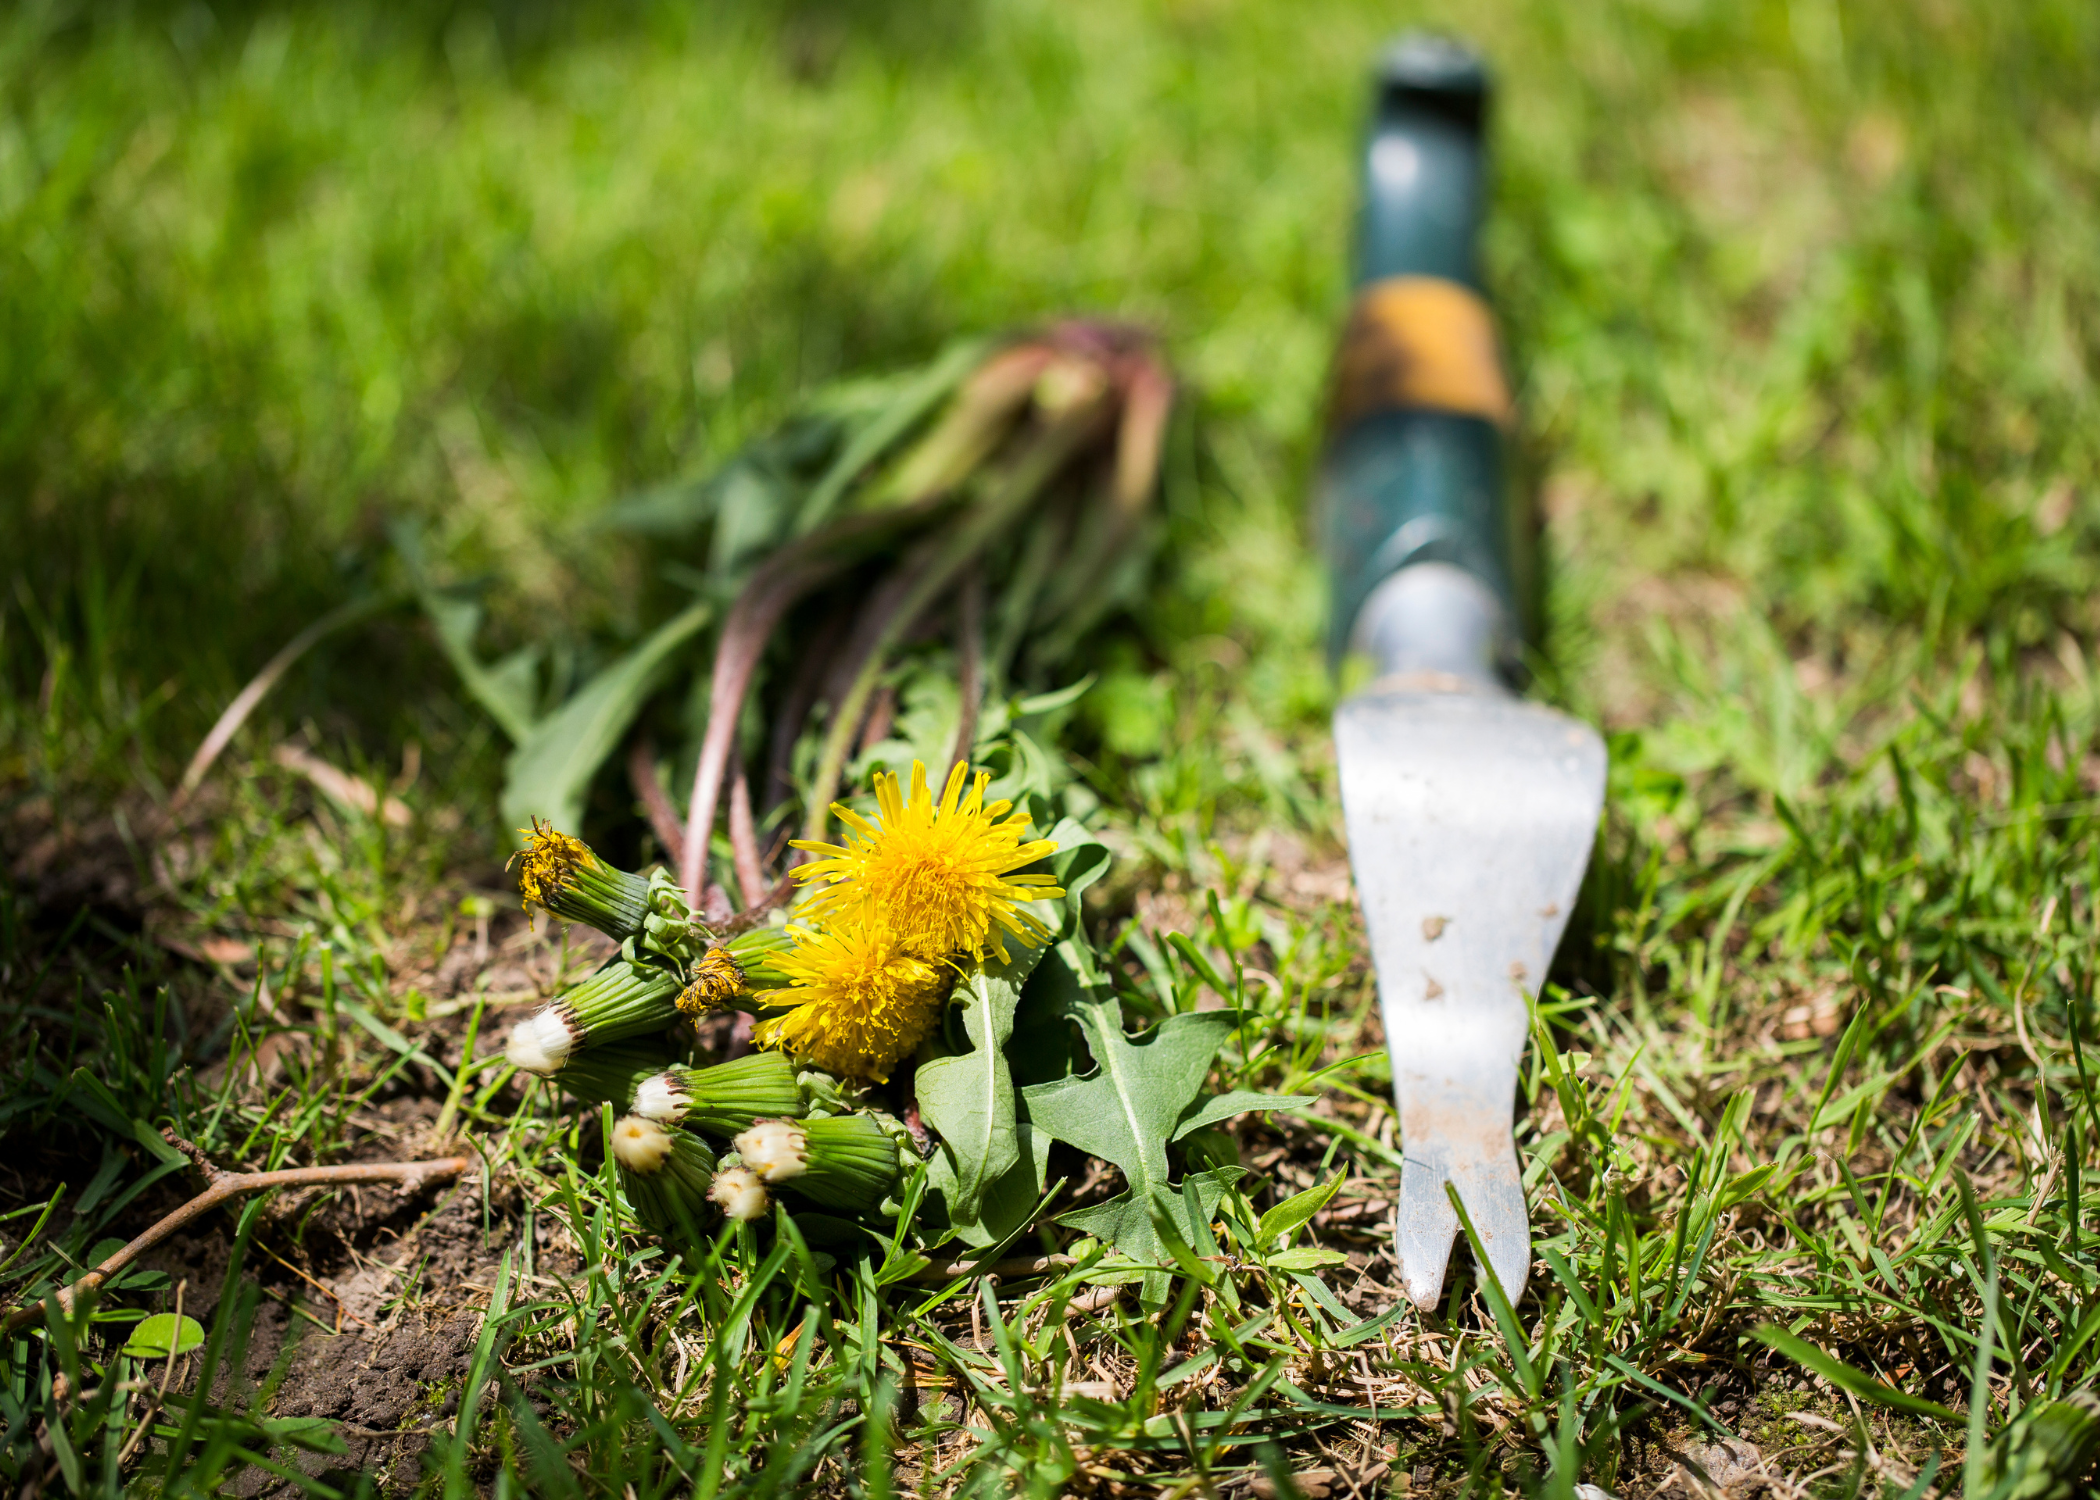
<point>542,1042</point>
<point>563,875</point>
<point>717,977</point>
<point>621,1000</point>
<point>613,1074</point>
<point>641,1145</point>
<point>850,1163</point>
<point>660,1097</point>
<point>667,1174</point>
<point>724,1099</point>
<point>777,1150</point>
<point>740,1194</point>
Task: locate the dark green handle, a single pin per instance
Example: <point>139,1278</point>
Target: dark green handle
<point>1413,470</point>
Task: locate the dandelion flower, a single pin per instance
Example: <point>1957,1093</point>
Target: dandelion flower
<point>939,875</point>
<point>860,1004</point>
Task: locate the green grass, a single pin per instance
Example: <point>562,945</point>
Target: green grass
<point>1801,302</point>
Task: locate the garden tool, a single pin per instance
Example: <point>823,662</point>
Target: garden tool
<point>1470,812</point>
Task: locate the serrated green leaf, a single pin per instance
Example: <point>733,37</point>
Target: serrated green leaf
<point>1208,1109</point>
<point>548,772</point>
<point>1126,1221</point>
<point>969,1100</point>
<point>1296,1211</point>
<point>1041,1047</point>
<point>153,1336</point>
<point>1010,1200</point>
<point>1126,1110</point>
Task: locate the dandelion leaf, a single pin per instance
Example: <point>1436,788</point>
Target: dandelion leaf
<point>508,690</point>
<point>1128,1221</point>
<point>968,1099</point>
<point>1145,1090</point>
<point>989,1170</point>
<point>552,766</point>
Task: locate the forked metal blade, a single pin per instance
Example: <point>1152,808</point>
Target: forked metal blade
<point>1470,819</point>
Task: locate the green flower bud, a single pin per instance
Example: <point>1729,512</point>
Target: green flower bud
<point>721,1100</point>
<point>847,1162</point>
<point>667,1174</point>
<point>621,1000</point>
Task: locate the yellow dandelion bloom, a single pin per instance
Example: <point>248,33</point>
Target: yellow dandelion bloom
<point>938,875</point>
<point>861,1006</point>
<point>716,978</point>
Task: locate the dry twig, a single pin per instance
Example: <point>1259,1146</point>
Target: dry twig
<point>222,1187</point>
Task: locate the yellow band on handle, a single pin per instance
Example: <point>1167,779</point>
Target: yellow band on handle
<point>1419,342</point>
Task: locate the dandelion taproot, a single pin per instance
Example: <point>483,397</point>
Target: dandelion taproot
<point>939,875</point>
<point>860,1003</point>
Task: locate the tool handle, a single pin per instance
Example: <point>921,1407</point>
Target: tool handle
<point>1412,484</point>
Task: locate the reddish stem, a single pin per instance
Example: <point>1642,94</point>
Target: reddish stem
<point>663,816</point>
<point>743,839</point>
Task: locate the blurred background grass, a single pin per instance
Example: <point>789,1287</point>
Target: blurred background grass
<point>1801,296</point>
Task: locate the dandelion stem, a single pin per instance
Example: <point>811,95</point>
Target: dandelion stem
<point>743,839</point>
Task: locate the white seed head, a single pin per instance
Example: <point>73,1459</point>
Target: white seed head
<point>742,1196</point>
<point>659,1097</point>
<point>777,1150</point>
<point>641,1145</point>
<point>541,1042</point>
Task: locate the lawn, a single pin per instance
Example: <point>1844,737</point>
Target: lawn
<point>1801,301</point>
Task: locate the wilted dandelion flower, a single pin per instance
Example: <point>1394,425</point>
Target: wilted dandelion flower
<point>716,978</point>
<point>563,875</point>
<point>939,875</point>
<point>861,1005</point>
